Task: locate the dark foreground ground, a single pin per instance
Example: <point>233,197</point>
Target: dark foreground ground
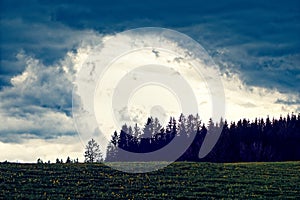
<point>189,180</point>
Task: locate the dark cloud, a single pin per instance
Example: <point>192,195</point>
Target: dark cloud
<point>254,33</point>
<point>288,102</point>
<point>39,102</point>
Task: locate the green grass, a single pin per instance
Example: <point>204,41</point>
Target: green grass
<point>190,180</point>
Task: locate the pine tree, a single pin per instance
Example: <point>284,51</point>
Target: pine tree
<point>68,160</point>
<point>92,153</point>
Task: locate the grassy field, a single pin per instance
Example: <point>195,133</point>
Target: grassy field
<point>189,180</point>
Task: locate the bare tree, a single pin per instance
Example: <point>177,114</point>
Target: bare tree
<point>92,152</point>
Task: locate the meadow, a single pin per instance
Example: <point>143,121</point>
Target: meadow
<point>276,180</point>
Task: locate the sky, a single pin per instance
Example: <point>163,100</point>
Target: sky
<point>43,44</point>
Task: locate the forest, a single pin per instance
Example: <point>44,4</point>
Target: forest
<point>260,140</point>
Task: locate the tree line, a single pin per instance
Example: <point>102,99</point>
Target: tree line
<point>68,160</point>
<point>242,141</point>
<point>261,140</point>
